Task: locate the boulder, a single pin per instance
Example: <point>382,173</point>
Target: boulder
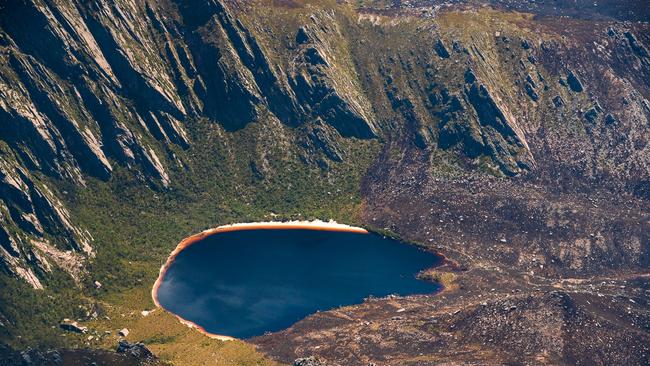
<point>592,114</point>
<point>531,92</point>
<point>530,80</point>
<point>456,45</point>
<point>470,77</point>
<point>123,333</point>
<point>72,326</point>
<point>309,361</point>
<point>441,50</point>
<point>574,83</point>
<point>636,46</point>
<point>136,350</point>
<point>611,31</point>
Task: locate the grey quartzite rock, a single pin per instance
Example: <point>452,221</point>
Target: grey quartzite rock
<point>309,361</point>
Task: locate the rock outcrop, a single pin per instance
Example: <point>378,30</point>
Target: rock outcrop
<point>501,136</point>
<point>323,83</point>
<point>308,361</point>
<point>72,326</point>
<point>135,350</point>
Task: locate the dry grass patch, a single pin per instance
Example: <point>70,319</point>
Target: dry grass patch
<point>169,339</point>
<point>446,279</point>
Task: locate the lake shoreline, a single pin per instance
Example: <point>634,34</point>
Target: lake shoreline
<point>270,225</point>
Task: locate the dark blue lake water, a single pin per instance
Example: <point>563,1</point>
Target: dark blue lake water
<point>245,283</point>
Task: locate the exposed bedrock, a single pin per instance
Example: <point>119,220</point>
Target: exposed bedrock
<point>502,138</point>
<point>323,84</point>
<point>490,130</point>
